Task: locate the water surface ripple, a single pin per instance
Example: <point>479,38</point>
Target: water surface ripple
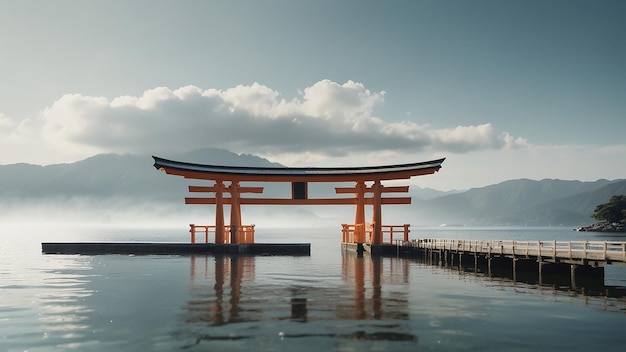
<point>329,301</point>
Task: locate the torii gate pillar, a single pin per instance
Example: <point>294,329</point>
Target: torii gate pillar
<point>219,212</point>
<point>235,212</point>
<point>359,218</point>
<point>377,214</point>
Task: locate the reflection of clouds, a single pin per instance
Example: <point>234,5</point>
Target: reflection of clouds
<point>460,300</point>
<point>42,298</point>
<point>63,315</point>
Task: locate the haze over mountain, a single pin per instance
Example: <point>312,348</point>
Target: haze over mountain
<point>112,187</point>
<point>524,202</point>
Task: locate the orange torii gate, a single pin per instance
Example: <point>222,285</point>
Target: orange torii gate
<point>299,179</point>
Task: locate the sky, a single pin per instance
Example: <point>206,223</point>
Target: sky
<point>502,89</point>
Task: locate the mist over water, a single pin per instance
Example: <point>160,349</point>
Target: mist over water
<point>125,212</point>
<point>328,301</point>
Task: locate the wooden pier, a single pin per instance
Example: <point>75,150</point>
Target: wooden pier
<point>592,253</point>
<point>571,260</point>
<point>572,287</point>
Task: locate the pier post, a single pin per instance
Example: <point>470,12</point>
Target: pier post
<point>467,262</point>
<point>587,276</point>
<point>501,267</point>
<point>451,260</point>
<point>526,270</point>
<point>554,273</point>
<point>482,263</point>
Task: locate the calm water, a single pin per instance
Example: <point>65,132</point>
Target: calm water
<point>328,301</point>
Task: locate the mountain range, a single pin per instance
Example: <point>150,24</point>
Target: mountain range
<point>111,182</point>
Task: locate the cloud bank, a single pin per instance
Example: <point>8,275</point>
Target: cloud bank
<point>327,119</point>
<point>327,124</point>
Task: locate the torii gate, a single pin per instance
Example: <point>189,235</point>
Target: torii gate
<point>299,179</point>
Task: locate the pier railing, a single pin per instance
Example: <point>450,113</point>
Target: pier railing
<point>573,250</point>
<point>245,233</point>
<point>390,233</point>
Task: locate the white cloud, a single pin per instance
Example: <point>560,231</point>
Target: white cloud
<point>470,138</point>
<point>257,100</point>
<point>340,103</point>
<point>6,126</point>
<point>329,119</point>
<point>4,120</point>
<point>329,124</point>
<point>25,141</point>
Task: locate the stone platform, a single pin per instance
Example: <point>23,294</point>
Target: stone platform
<point>91,248</point>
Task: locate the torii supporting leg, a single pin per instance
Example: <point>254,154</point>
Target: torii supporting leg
<point>235,213</point>
<point>376,214</point>
<point>219,212</point>
<point>359,218</point>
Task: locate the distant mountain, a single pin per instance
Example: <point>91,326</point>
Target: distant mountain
<point>109,175</point>
<point>524,202</point>
<point>575,209</point>
<point>429,193</point>
<point>110,187</point>
<point>217,156</point>
<point>116,181</point>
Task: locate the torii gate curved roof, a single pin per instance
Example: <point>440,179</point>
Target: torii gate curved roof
<point>297,174</point>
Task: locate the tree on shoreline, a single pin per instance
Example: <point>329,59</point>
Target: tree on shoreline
<point>613,211</point>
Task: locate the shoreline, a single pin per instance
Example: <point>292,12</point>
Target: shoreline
<point>603,227</point>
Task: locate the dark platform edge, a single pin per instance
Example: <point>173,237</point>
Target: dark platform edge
<point>91,248</point>
<point>373,249</point>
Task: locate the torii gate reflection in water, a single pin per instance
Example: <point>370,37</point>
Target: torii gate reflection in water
<point>227,179</point>
<point>221,287</point>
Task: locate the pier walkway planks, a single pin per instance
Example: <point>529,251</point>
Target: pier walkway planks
<point>597,253</point>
